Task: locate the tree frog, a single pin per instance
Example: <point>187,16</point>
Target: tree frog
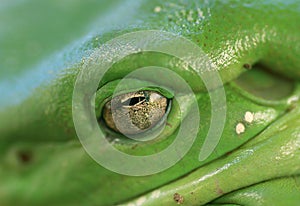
<point>255,47</point>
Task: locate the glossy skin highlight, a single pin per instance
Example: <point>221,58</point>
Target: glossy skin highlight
<point>42,161</point>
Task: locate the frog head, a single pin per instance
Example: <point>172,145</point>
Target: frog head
<point>253,48</point>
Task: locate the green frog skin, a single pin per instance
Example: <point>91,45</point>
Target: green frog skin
<point>256,162</point>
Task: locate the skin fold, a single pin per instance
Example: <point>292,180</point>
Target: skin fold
<point>42,52</point>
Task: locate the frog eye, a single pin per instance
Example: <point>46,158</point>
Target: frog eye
<point>135,112</point>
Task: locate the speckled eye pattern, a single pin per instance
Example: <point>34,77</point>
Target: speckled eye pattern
<point>135,112</point>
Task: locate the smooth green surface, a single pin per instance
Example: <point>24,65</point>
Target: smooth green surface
<point>42,161</point>
<point>32,30</point>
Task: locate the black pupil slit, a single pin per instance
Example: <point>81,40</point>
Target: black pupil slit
<point>133,101</point>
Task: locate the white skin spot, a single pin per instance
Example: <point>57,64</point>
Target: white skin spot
<point>293,99</point>
<point>157,9</point>
<point>240,128</point>
<point>249,117</point>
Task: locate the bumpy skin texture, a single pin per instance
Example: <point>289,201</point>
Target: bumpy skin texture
<point>42,161</point>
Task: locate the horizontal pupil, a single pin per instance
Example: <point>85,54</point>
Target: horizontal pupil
<point>133,101</point>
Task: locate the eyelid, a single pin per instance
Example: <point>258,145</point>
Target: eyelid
<point>148,59</point>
